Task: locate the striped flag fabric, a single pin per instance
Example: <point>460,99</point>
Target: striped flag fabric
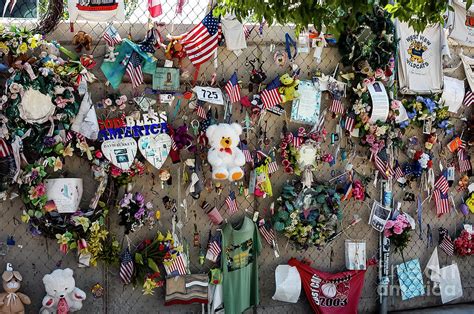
<point>383,167</point>
<point>463,160</point>
<point>127,267</point>
<point>200,111</point>
<point>246,152</point>
<point>232,88</point>
<point>176,266</point>
<point>267,233</point>
<point>270,96</point>
<point>398,172</point>
<point>5,149</point>
<point>134,69</point>
<point>214,248</point>
<point>441,202</point>
<point>336,106</point>
<point>111,36</point>
<point>442,184</point>
<point>231,203</point>
<point>154,7</point>
<point>349,122</point>
<point>445,241</point>
<point>468,98</point>
<point>201,42</point>
<point>272,166</point>
<point>248,30</point>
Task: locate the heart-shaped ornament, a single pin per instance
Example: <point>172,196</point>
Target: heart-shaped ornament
<point>155,148</point>
<point>120,152</point>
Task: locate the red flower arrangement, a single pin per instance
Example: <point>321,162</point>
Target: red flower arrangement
<point>464,244</point>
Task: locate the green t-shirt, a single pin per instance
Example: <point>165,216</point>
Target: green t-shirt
<point>240,249</point>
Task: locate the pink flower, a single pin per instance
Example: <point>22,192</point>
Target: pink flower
<point>370,139</point>
<point>368,81</point>
<point>40,189</point>
<point>397,229</point>
<point>115,171</point>
<point>379,73</point>
<point>395,104</point>
<point>389,224</point>
<point>283,145</point>
<point>387,233</point>
<point>285,163</point>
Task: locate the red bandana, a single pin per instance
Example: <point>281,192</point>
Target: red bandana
<point>227,150</point>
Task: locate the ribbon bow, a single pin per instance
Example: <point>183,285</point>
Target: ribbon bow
<point>227,150</point>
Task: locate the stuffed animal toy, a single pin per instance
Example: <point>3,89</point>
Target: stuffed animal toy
<point>289,87</point>
<point>224,155</point>
<point>174,50</point>
<point>62,295</point>
<point>111,55</point>
<point>82,40</point>
<point>12,301</point>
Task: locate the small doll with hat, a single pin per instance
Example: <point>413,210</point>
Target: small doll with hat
<point>12,301</point>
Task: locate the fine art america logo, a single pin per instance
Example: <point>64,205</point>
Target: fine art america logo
<point>419,44</point>
<point>331,293</point>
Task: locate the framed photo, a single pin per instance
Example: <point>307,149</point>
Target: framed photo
<point>166,79</point>
<point>20,9</point>
<point>427,125</point>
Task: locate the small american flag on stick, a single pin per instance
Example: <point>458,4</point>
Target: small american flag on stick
<point>468,97</point>
<point>111,36</point>
<point>248,30</point>
<point>267,233</point>
<point>126,267</point>
<point>232,88</point>
<point>336,106</point>
<point>271,96</point>
<point>177,265</point>
<point>349,122</point>
<point>134,69</point>
<point>231,203</point>
<point>445,241</point>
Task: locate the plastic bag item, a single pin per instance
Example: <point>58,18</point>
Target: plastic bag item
<point>288,284</point>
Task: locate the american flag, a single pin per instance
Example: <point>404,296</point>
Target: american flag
<point>201,42</point>
<point>445,241</point>
<point>126,267</point>
<point>134,69</point>
<point>176,266</point>
<point>272,166</point>
<point>382,166</point>
<point>271,96</point>
<point>248,30</point>
<point>70,135</point>
<point>5,149</point>
<point>200,111</point>
<point>468,98</point>
<point>267,233</point>
<point>398,172</point>
<point>111,36</point>
<point>214,248</point>
<point>232,88</point>
<point>441,202</point>
<point>442,184</point>
<point>246,152</point>
<point>336,106</point>
<point>231,203</point>
<point>349,122</point>
<point>463,160</point>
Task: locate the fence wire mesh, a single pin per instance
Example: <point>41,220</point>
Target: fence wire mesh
<point>35,257</point>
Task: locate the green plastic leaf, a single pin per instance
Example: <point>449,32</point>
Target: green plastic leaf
<point>152,265</point>
<point>138,259</point>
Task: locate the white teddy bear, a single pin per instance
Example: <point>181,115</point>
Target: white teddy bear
<point>62,294</point>
<point>111,55</point>
<point>224,155</point>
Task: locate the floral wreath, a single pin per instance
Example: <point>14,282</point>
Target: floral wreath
<point>292,146</point>
<point>308,216</point>
<point>422,109</point>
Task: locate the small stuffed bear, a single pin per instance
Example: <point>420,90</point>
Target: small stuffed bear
<point>12,301</point>
<point>289,87</point>
<point>62,294</point>
<point>111,55</point>
<point>224,155</point>
<point>82,40</point>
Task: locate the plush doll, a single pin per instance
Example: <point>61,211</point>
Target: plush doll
<point>12,301</point>
<point>111,55</point>
<point>62,294</point>
<point>174,50</point>
<point>289,87</point>
<point>82,40</point>
<point>224,155</point>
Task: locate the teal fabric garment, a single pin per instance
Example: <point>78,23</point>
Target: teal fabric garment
<point>240,248</point>
<point>114,71</point>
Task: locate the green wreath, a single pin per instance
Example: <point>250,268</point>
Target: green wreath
<point>308,216</point>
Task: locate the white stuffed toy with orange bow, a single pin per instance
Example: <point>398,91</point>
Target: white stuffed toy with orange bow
<point>225,156</point>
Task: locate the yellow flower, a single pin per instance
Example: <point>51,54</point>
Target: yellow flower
<point>25,217</point>
<point>148,286</point>
<point>95,227</point>
<point>23,48</point>
<point>82,221</point>
<point>67,151</point>
<point>50,64</point>
<point>62,238</point>
<point>58,164</point>
<point>4,48</point>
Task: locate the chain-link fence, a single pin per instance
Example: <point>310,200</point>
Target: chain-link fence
<point>35,257</point>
